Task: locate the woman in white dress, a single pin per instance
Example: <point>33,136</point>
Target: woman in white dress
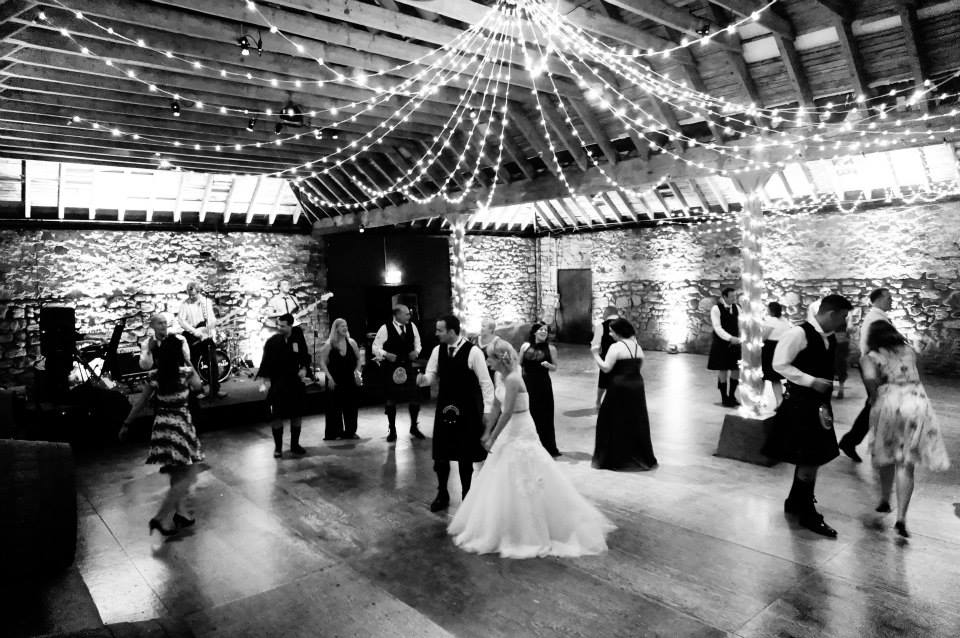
<point>521,504</point>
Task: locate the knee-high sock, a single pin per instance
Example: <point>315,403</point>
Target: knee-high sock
<point>466,475</point>
<point>414,413</point>
<point>295,435</point>
<point>442,468</point>
<point>278,438</point>
<point>391,411</point>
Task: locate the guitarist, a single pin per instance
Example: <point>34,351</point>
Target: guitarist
<point>283,303</point>
<point>199,322</point>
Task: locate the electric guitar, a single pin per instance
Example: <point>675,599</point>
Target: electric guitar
<point>211,332</point>
<point>270,321</point>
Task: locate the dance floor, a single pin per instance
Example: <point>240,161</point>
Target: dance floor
<point>341,543</point>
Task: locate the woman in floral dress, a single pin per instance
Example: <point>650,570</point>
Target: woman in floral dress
<point>905,429</point>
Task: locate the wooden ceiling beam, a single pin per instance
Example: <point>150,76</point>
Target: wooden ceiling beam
<point>570,220</point>
<point>253,198</point>
<point>204,37</point>
<point>907,10</point>
<point>562,129</point>
<point>617,215</point>
<point>699,194</point>
<point>839,8</point>
<point>795,71</point>
<point>535,137</point>
<point>617,199</point>
<point>853,58</point>
<point>737,63</point>
<point>12,8</point>
<point>178,202</point>
<point>684,206</point>
<point>699,162</point>
<point>768,18</point>
<point>514,154</point>
<point>600,136</point>
<point>674,17</point>
<point>551,222</point>
<point>667,209</point>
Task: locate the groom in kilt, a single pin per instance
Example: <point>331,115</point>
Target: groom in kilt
<point>803,433</point>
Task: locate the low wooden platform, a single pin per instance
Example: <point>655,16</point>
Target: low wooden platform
<point>340,542</point>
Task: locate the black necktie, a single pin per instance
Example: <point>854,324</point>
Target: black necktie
<point>451,350</point>
<point>403,330</point>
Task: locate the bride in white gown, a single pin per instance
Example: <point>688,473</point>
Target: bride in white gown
<point>521,504</point>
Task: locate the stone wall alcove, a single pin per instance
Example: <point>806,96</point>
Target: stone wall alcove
<point>108,274</point>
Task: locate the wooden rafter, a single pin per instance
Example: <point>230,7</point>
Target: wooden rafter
<point>907,10</point>
<point>600,136</point>
<point>679,197</point>
<point>228,204</point>
<point>667,209</point>
<point>26,193</point>
<point>617,200</point>
<point>852,57</point>
<point>699,194</point>
<point>794,68</point>
<point>768,18</point>
<point>253,198</point>
<point>840,8</point>
<point>178,202</point>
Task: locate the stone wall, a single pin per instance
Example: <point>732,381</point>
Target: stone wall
<point>106,275</point>
<point>665,279</point>
<point>501,280</point>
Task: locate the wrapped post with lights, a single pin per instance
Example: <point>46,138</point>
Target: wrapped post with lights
<point>459,224</point>
<point>744,434</point>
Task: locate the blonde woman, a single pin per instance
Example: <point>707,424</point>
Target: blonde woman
<point>522,505</point>
<point>341,365</point>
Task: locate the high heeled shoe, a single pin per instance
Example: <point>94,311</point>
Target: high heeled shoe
<point>901,527</point>
<point>182,522</point>
<point>156,525</point>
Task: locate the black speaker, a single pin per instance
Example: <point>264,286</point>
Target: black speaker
<point>57,330</point>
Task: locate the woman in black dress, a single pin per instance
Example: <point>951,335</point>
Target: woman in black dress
<point>537,359</point>
<point>623,427</point>
<point>340,362</point>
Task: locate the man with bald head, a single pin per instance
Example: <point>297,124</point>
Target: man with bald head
<point>396,347</point>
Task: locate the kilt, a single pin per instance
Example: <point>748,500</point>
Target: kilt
<point>723,355</point>
<point>766,361</point>
<point>457,430</point>
<point>287,398</point>
<point>799,436</point>
<point>399,392</point>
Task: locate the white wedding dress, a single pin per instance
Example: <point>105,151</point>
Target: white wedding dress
<point>522,505</point>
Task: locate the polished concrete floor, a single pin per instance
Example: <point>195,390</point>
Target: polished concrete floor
<point>340,542</point>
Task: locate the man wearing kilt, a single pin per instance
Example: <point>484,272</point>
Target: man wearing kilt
<point>725,350</point>
<point>283,368</point>
<point>803,433</point>
<point>464,402</point>
<point>396,347</point>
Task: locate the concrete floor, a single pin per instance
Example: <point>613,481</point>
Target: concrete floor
<point>340,542</point>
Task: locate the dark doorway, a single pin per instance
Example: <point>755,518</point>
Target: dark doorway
<point>575,306</point>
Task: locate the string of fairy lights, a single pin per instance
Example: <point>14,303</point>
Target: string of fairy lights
<point>522,60</point>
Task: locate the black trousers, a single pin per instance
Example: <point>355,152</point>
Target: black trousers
<point>341,412</point>
<point>861,425</point>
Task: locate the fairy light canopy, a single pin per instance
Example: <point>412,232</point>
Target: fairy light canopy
<point>530,115</point>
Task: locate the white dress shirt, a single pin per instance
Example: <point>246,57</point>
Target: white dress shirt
<point>775,327</point>
<point>788,347</point>
<point>715,320</point>
<point>283,304</point>
<point>192,313</point>
<point>598,332</point>
<point>381,339</point>
<point>475,361</point>
<point>873,315</point>
<point>146,355</point>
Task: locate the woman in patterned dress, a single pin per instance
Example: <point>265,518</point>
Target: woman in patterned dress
<point>904,426</point>
<point>173,441</point>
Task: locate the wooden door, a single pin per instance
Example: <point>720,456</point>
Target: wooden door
<point>575,305</point>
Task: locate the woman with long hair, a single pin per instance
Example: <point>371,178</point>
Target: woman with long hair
<point>521,504</point>
<point>487,339</point>
<point>905,428</point>
<point>340,363</point>
<point>538,357</point>
<point>174,445</point>
<point>623,426</point>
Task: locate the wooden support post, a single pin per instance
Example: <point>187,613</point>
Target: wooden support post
<point>206,197</point>
<point>25,189</point>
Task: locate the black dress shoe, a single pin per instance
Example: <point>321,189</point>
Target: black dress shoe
<point>155,525</point>
<point>442,502</point>
<point>182,522</point>
<point>277,454</point>
<point>794,507</point>
<point>815,523</point>
<point>851,451</point>
<point>883,507</point>
<point>392,436</point>
<point>350,437</point>
<point>901,527</point>
<point>416,433</point>
<point>297,449</point>
<point>332,438</point>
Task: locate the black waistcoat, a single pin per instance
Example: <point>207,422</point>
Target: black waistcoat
<point>458,383</point>
<point>816,359</point>
<point>398,345</point>
<point>605,339</point>
<point>730,319</point>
